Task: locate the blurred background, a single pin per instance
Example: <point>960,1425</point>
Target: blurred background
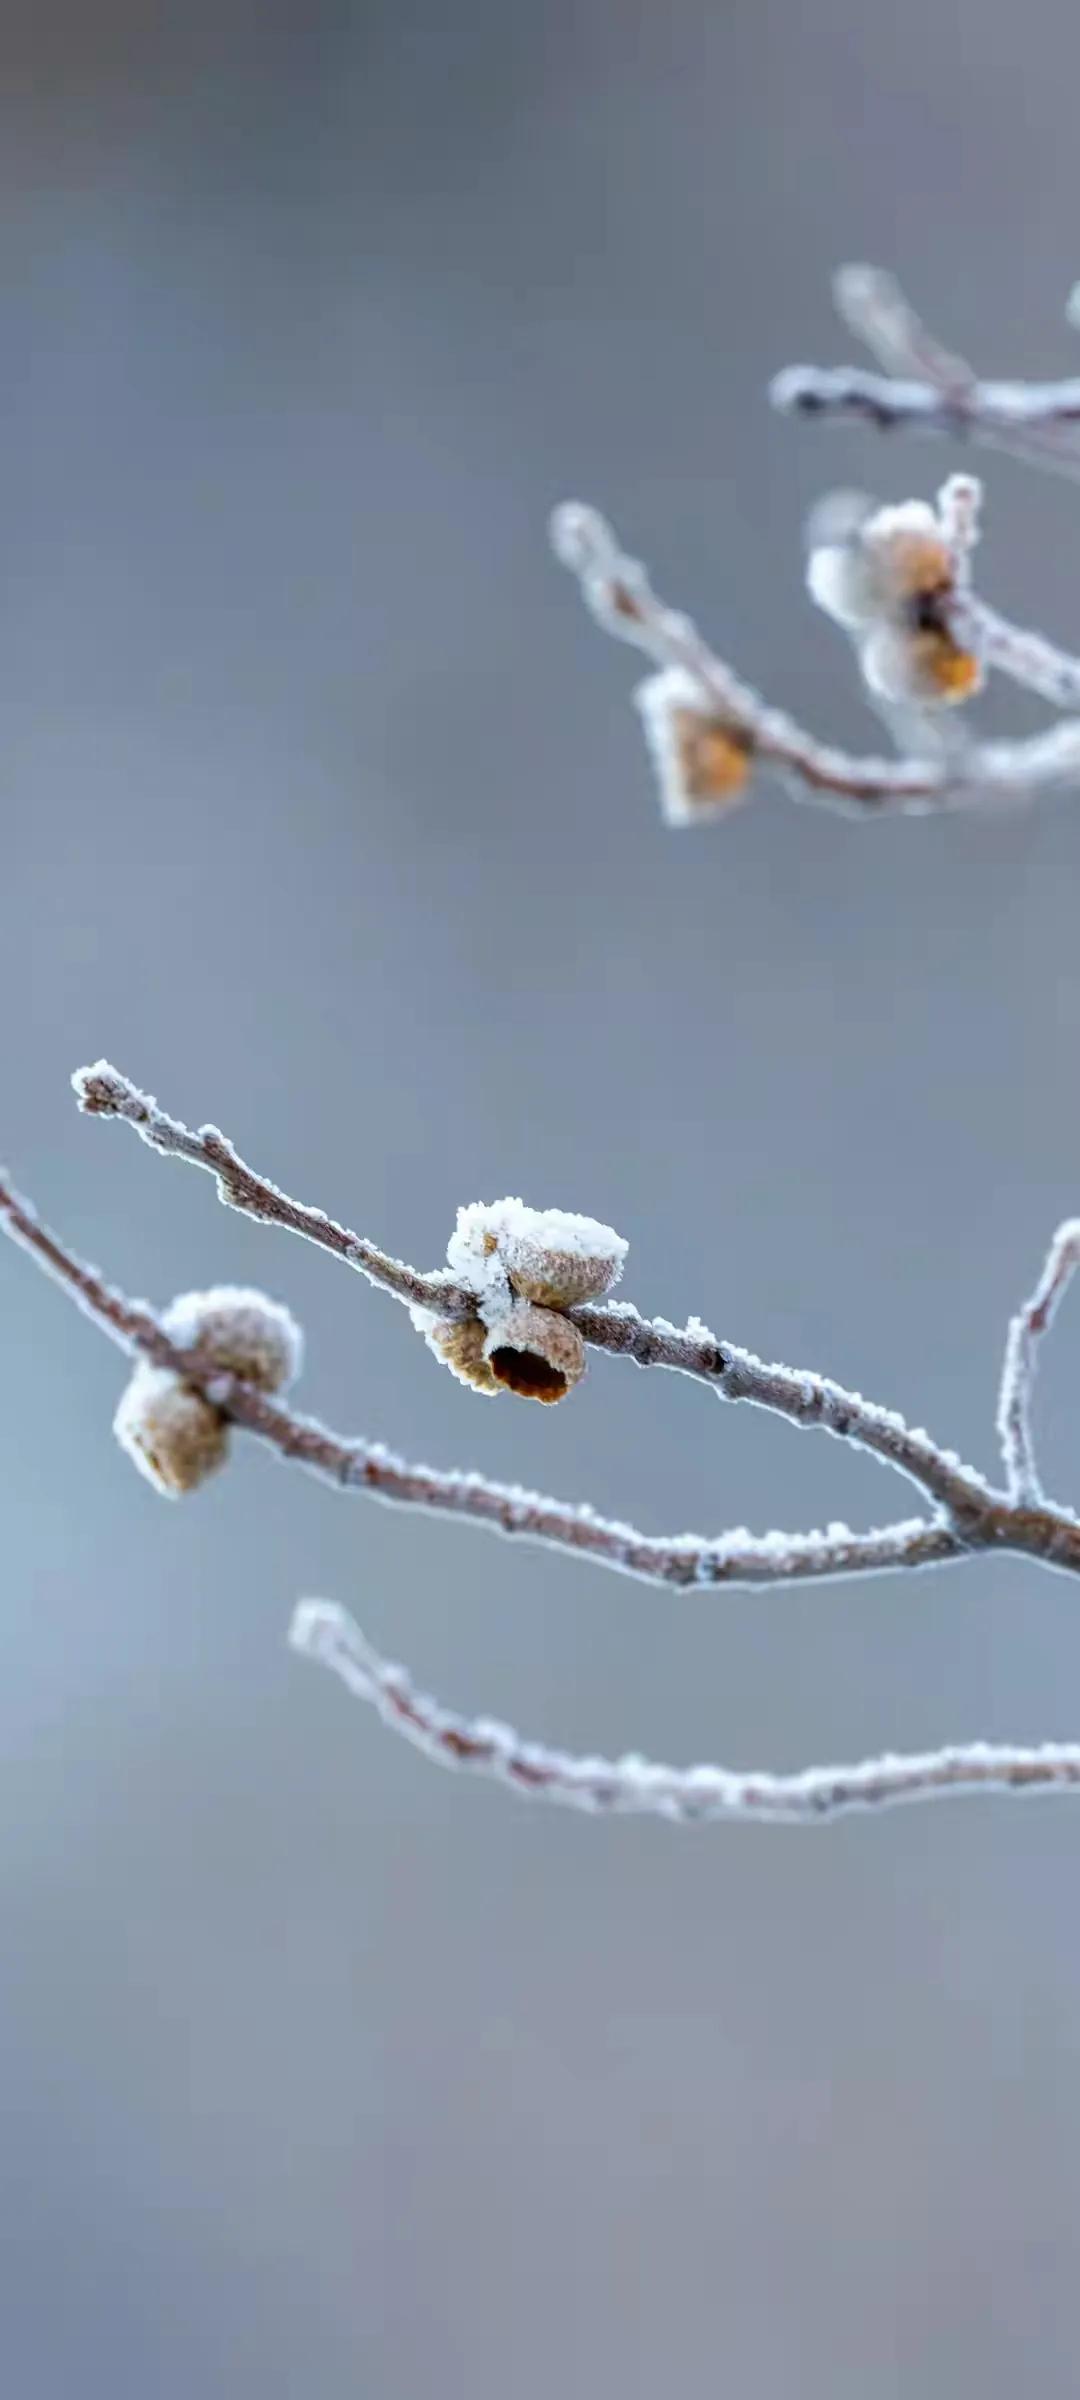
<point>327,817</point>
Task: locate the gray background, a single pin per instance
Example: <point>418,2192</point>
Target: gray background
<point>326,816</point>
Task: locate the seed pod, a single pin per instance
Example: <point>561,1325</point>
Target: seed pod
<point>240,1332</point>
<point>535,1352</point>
<point>923,664</point>
<point>459,1344</point>
<point>175,1437</point>
<point>556,1258</point>
<point>701,757</point>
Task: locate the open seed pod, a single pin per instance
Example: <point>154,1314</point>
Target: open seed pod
<point>534,1352</point>
<point>175,1437</point>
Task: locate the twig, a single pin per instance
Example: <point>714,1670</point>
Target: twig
<point>804,1398</point>
<point>633,1785</point>
<point>925,388</point>
<point>680,1560</point>
<point>1021,1362</point>
<point>621,597</point>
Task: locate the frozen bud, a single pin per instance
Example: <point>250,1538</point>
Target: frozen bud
<point>460,1344</point>
<point>474,1250</point>
<point>556,1259</point>
<point>702,758</point>
<point>239,1332</point>
<point>925,665</point>
<point>174,1436</point>
<point>535,1352</point>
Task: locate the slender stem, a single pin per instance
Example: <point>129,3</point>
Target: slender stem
<point>804,1398</point>
<point>324,1632</point>
<point>1022,1346</point>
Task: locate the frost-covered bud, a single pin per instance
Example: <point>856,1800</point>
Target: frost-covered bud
<point>557,1259</point>
<point>240,1332</point>
<point>175,1437</point>
<point>459,1343</point>
<point>702,759</point>
<point>889,585</point>
<point>535,1352</point>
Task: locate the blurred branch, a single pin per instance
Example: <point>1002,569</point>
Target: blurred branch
<point>925,388</point>
<point>633,1785</point>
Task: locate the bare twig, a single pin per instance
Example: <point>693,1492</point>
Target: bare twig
<point>621,597</point>
<point>1021,1362</point>
<point>925,388</point>
<point>633,1785</point>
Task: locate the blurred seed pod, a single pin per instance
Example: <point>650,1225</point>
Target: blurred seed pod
<point>240,1331</point>
<point>702,759</point>
<point>175,1437</point>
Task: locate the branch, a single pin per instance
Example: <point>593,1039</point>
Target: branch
<point>620,596</point>
<point>1021,1362</point>
<point>681,1560</point>
<point>633,1785</point>
<point>804,1398</point>
<point>925,388</point>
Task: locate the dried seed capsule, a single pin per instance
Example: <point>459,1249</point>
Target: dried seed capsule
<point>535,1352</point>
<point>175,1437</point>
<point>459,1344</point>
<point>240,1332</point>
<point>556,1258</point>
<point>702,758</point>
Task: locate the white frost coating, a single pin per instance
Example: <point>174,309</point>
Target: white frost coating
<point>550,1255</point>
<point>241,1331</point>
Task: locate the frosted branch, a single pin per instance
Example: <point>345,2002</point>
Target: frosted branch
<point>1022,1358</point>
<point>620,595</point>
<point>683,1561</point>
<point>638,1786</point>
<point>925,388</point>
<point>804,1398</point>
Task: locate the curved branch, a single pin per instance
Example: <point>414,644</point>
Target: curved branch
<point>633,1785</point>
